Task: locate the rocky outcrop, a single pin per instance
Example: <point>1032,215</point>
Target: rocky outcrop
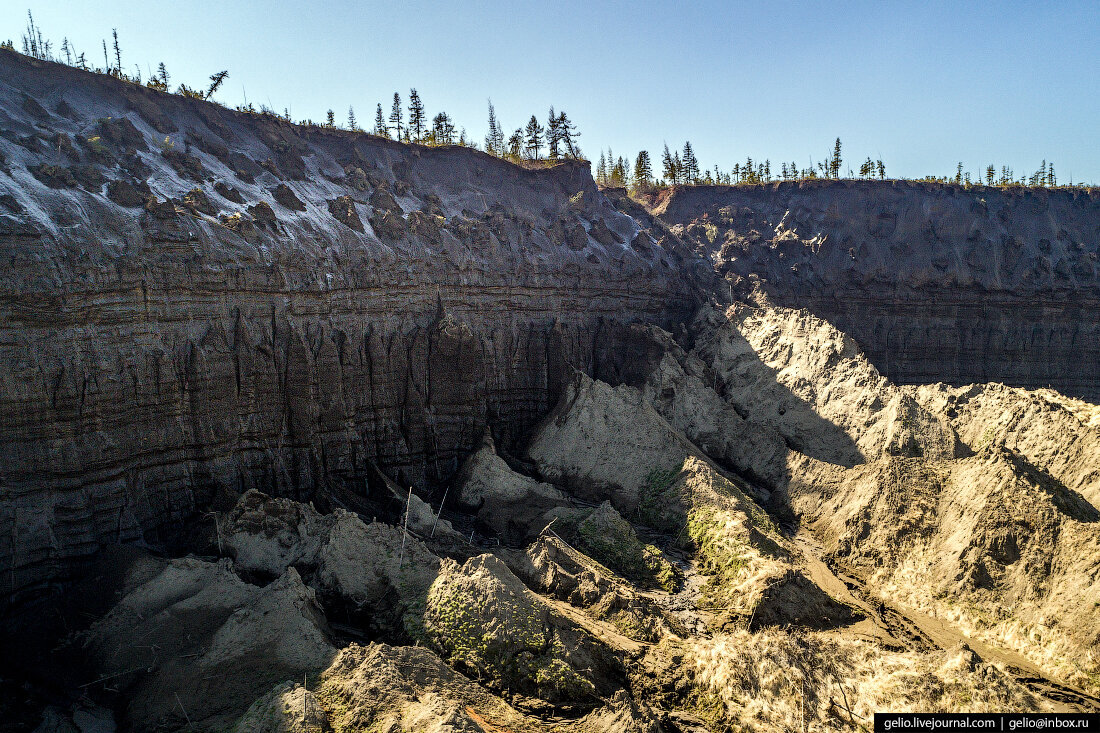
<point>197,645</point>
<point>511,504</point>
<point>607,443</point>
<point>936,282</point>
<point>374,571</point>
<point>485,620</point>
<point>157,362</point>
<point>990,542</point>
<point>1056,434</point>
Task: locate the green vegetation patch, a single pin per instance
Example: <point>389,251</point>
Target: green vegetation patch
<point>660,504</point>
<point>611,541</point>
<point>502,635</point>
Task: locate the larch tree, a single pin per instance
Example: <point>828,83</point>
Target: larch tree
<point>834,163</point>
<point>643,171</point>
<point>353,124</point>
<point>118,52</point>
<point>515,144</point>
<point>396,118</point>
<point>534,137</point>
<point>416,116</point>
<point>690,164</point>
<point>216,81</point>
<point>494,140</point>
<point>569,135</point>
<point>443,129</point>
<point>553,135</point>
<point>668,166</point>
<point>380,128</point>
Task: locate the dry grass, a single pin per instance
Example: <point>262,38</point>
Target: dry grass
<point>779,681</point>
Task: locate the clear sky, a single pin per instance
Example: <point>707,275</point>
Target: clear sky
<point>921,84</point>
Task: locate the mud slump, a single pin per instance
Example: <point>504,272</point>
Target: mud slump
<point>634,570</point>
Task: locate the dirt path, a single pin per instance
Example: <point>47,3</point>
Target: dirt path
<point>906,628</point>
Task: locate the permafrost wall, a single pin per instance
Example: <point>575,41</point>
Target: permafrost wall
<point>935,282</point>
<point>335,301</point>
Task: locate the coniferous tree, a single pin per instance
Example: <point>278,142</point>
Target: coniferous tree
<point>601,170</point>
<point>67,50</point>
<point>515,144</point>
<point>380,128</point>
<point>31,39</point>
<point>443,129</point>
<point>416,116</point>
<point>690,165</point>
<point>216,80</point>
<point>330,119</point>
<point>619,173</point>
<point>990,174</point>
<point>881,171</point>
<point>834,163</point>
<point>534,138</point>
<point>668,166</point>
<point>553,135</point>
<point>118,53</point>
<point>494,141</point>
<point>162,74</point>
<point>396,117</point>
<point>643,171</point>
<point>568,132</point>
<point>353,124</point>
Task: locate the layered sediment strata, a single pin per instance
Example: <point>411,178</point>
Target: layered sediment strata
<point>196,301</point>
<point>936,282</point>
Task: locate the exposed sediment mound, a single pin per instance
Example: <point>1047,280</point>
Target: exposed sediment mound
<point>607,442</point>
<point>996,542</point>
<point>1056,434</point>
<point>511,504</point>
<point>800,376</point>
<point>198,645</point>
<point>362,568</point>
<point>989,542</point>
<point>487,621</point>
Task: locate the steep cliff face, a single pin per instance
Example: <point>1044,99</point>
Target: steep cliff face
<point>195,302</point>
<point>935,282</point>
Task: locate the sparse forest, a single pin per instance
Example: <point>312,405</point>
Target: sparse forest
<point>536,143</point>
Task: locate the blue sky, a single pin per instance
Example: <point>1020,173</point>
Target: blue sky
<point>922,85</point>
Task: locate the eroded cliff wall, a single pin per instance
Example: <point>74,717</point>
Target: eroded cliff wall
<point>195,302</point>
<point>935,282</point>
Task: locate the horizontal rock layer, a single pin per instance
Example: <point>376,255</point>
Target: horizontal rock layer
<point>935,282</point>
<point>196,301</point>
